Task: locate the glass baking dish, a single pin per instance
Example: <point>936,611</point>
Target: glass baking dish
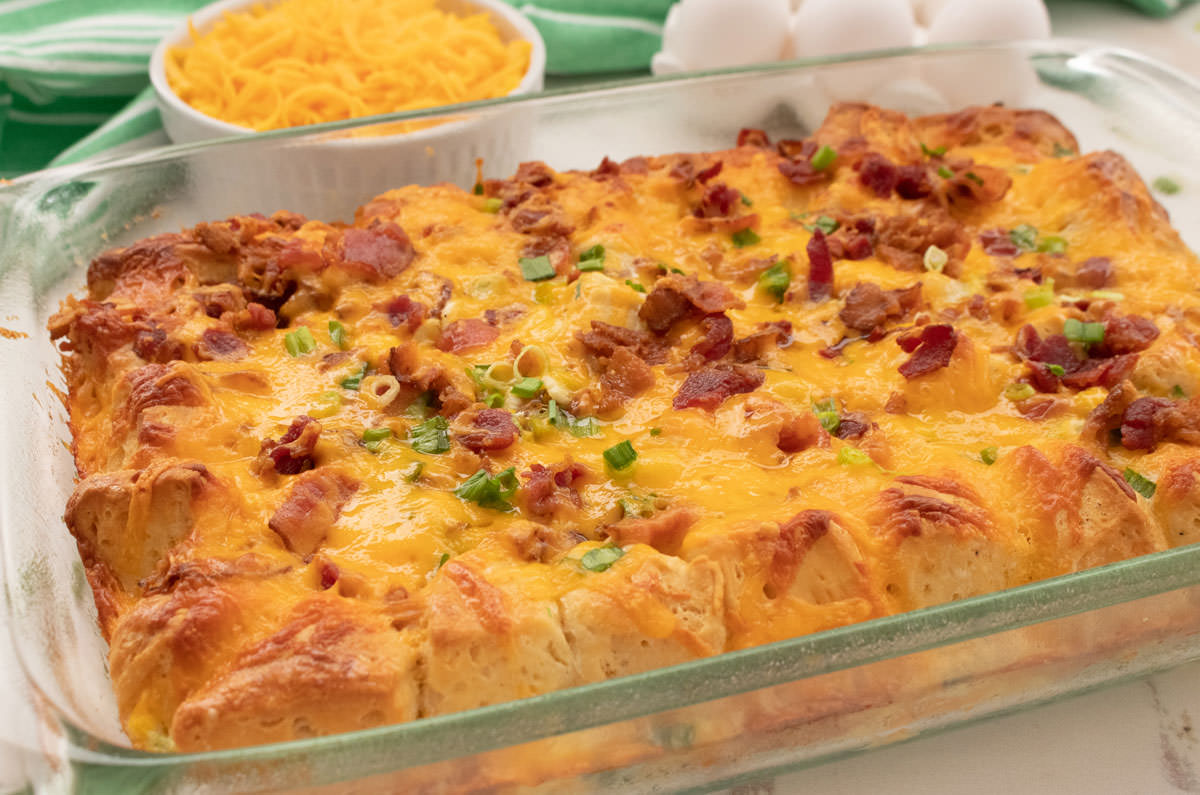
<point>698,726</point>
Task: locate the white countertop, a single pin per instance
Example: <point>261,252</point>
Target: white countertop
<point>1134,738</point>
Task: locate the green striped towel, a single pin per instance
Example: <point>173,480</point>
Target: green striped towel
<point>73,79</point>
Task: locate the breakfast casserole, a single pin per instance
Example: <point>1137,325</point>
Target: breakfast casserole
<point>568,426</point>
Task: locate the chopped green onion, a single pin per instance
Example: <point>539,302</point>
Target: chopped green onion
<point>1052,244</point>
<point>299,342</point>
<point>328,404</point>
<point>536,269</point>
<point>527,387</point>
<point>592,259</point>
<point>677,270</point>
<point>776,279</point>
<point>852,455</point>
<point>1177,392</point>
<point>1140,483</point>
<point>745,237</point>
<point>1017,392</point>
<point>1062,151</point>
<point>337,334</point>
<point>935,259</point>
<point>420,408</point>
<point>635,286</point>
<point>938,152</point>
<point>658,431</point>
<point>825,223</point>
<point>827,415</point>
<point>971,175</point>
<point>355,381</point>
<point>1042,295</point>
<point>945,173</point>
<point>430,436</point>
<point>373,438</point>
<point>584,427</point>
<point>489,491</point>
<point>600,558</point>
<point>445,556</point>
<point>1166,185</point>
<point>1107,295</point>
<point>620,456</point>
<point>988,455</point>
<point>1087,333</point>
<point>1024,237</point>
<point>492,205</point>
<point>478,189</point>
<point>493,399</point>
<point>823,158</point>
<point>414,474</point>
<point>746,200</point>
<point>1056,369</point>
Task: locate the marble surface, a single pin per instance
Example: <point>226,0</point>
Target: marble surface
<point>1138,737</point>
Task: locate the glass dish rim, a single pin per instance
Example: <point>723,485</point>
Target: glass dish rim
<point>433,739</point>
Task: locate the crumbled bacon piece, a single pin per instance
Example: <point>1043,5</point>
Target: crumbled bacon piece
<point>719,201</point>
<point>153,345</point>
<point>1127,334</point>
<point>853,425</point>
<point>488,430</point>
<point>1143,424</point>
<point>753,347</point>
<point>463,335</point>
<point>1094,273</point>
<point>219,343</point>
<point>329,574</point>
<point>749,136</point>
<point>604,339</point>
<point>902,240</point>
<point>293,453</point>
<point>912,182</point>
<point>931,348</point>
<point>255,317</point>
<point>382,250</point>
<point>801,172</point>
<point>625,376</point>
<point>717,340</point>
<point>878,173</point>
<point>404,311</point>
<point>868,306</point>
<point>820,268</point>
<point>975,182</point>
<point>675,297</point>
<point>710,173</point>
<point>710,387</point>
<point>853,240</point>
<point>997,243</point>
<point>548,490</point>
<point>305,517</point>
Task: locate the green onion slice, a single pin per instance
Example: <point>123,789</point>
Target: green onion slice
<point>620,456</point>
<point>492,205</point>
<point>852,455</point>
<point>823,158</point>
<point>988,455</point>
<point>1166,185</point>
<point>1052,244</point>
<point>745,237</point>
<point>945,173</point>
<point>1024,237</point>
<point>430,436</point>
<point>536,269</point>
<point>1140,483</point>
<point>489,491</point>
<point>354,381</point>
<point>600,558</point>
<point>299,342</point>
<point>776,279</point>
<point>635,286</point>
<point>1017,392</point>
<point>935,259</point>
<point>527,387</point>
<point>337,334</point>
<point>1087,333</point>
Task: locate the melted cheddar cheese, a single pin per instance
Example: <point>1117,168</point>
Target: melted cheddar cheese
<point>275,418</point>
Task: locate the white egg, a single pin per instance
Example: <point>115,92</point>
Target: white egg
<point>828,27</point>
<point>831,27</point>
<point>711,34</point>
<point>986,76</point>
<point>989,20</point>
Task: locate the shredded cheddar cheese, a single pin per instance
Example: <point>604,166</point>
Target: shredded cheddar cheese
<point>309,61</point>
